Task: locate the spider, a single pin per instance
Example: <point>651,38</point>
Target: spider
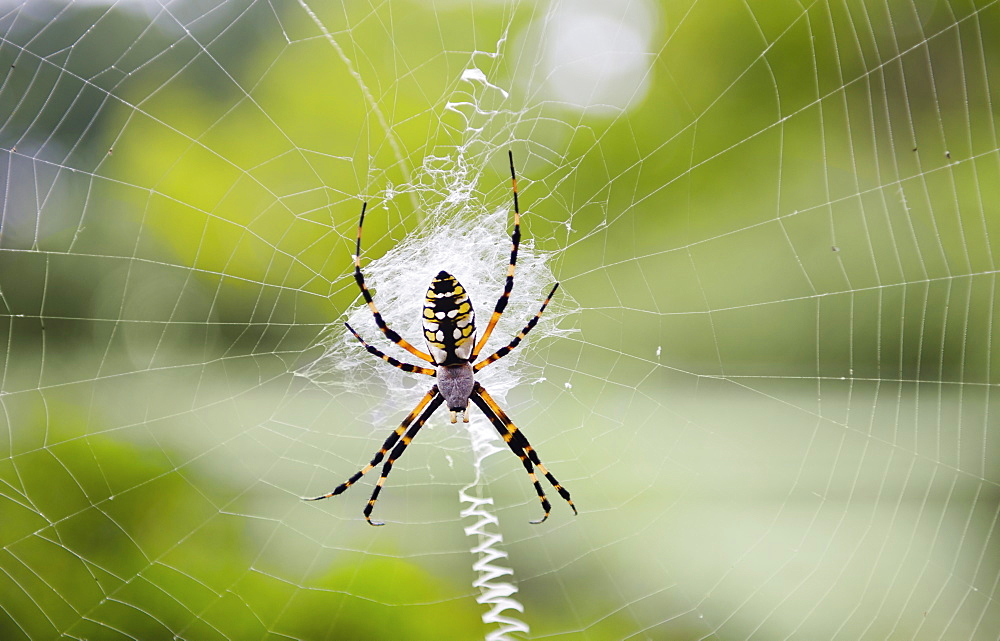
<point>450,333</point>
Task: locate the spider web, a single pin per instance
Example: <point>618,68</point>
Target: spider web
<point>767,378</point>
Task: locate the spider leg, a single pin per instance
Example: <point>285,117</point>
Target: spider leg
<point>397,451</point>
<point>503,351</point>
<point>518,444</point>
<point>360,278</point>
<point>406,367</point>
<point>389,442</point>
<point>519,452</point>
<point>515,239</point>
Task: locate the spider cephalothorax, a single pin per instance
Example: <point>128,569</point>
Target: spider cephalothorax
<point>449,324</point>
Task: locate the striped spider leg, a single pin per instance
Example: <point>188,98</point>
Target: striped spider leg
<point>397,442</point>
<point>515,241</point>
<point>367,295</point>
<point>519,445</point>
<point>449,330</point>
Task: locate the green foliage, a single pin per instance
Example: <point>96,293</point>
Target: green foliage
<point>795,197</point>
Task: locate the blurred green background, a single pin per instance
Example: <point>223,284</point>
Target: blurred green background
<point>773,223</point>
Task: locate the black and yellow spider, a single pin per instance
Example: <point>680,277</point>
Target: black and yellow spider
<point>450,333</point>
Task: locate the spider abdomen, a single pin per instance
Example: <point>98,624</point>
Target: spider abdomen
<point>449,321</point>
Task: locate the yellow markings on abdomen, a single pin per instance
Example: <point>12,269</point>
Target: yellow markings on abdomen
<point>449,320</point>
